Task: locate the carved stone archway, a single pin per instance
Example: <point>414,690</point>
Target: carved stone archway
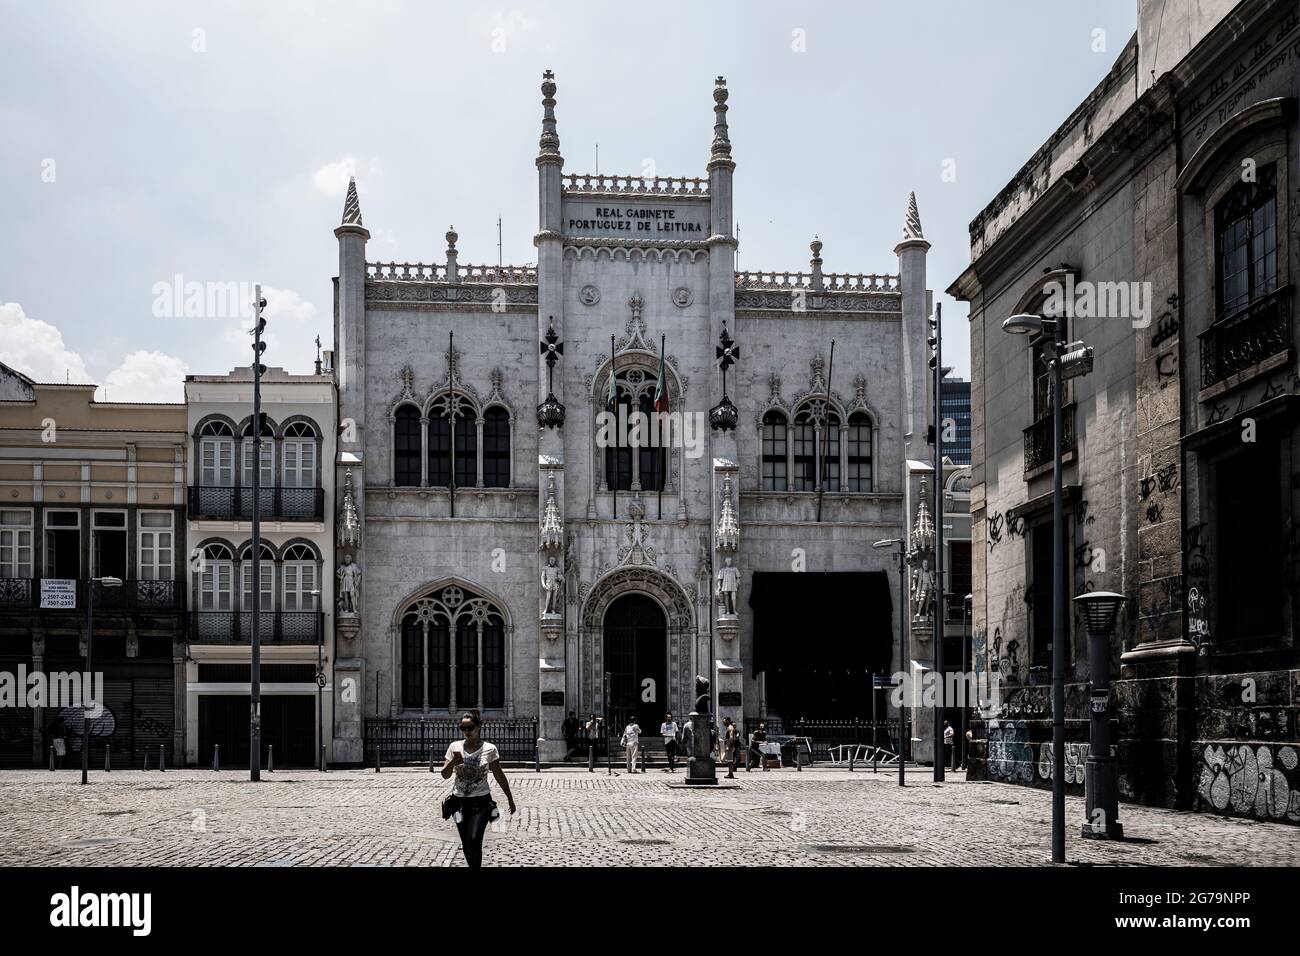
<point>678,611</point>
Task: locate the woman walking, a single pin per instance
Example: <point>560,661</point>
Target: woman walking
<point>471,802</point>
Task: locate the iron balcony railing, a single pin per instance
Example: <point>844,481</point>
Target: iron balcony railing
<point>282,504</point>
<point>412,739</point>
<point>236,627</point>
<point>1038,439</point>
<point>1246,337</point>
<point>132,595</point>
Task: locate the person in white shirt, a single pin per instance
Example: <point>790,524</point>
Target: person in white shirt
<point>669,731</point>
<point>471,760</point>
<point>948,740</point>
<point>631,743</point>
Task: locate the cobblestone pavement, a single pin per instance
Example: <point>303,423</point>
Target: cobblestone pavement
<point>567,817</point>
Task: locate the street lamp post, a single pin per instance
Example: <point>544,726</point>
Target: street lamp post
<point>903,616</point>
<point>1100,608</point>
<point>1064,361</point>
<point>107,582</point>
<point>964,722</point>
<point>255,647</point>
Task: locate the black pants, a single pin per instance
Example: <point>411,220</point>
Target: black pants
<point>950,755</point>
<point>475,815</point>
<point>670,747</point>
<point>732,753</point>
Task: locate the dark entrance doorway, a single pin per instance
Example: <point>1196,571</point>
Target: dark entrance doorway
<point>636,657</point>
<point>288,724</point>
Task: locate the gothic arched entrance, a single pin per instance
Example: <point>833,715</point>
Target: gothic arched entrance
<point>636,659</point>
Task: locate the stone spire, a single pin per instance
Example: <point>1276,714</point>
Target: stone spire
<point>923,527</point>
<point>818,282</point>
<point>549,144</point>
<point>352,205</point>
<point>720,152</point>
<point>912,225</point>
<point>453,267</point>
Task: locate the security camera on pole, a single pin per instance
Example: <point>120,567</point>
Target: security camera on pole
<point>255,661</point>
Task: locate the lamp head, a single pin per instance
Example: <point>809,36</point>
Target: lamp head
<point>1023,324</point>
<point>1100,608</point>
<point>110,582</point>
<point>887,543</point>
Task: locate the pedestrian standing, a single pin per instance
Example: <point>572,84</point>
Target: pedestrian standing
<point>731,745</point>
<point>471,804</point>
<point>570,728</point>
<point>593,735</point>
<point>756,741</point>
<point>949,735</point>
<point>670,731</point>
<point>631,743</point>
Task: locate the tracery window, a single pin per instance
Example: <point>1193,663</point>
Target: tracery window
<point>774,451</point>
<point>859,452</point>
<point>441,674</point>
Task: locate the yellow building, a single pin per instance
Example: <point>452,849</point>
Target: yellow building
<point>92,490</point>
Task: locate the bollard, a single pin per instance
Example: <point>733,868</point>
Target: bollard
<point>324,758</point>
<point>591,757</point>
<point>376,758</point>
<point>162,758</point>
<point>430,760</point>
<point>798,757</point>
<point>108,760</point>
<point>51,757</point>
<point>216,756</point>
<point>643,760</point>
<point>270,758</point>
<point>537,756</point>
<point>853,752</point>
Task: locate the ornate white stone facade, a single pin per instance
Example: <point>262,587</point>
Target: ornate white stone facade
<point>432,355</point>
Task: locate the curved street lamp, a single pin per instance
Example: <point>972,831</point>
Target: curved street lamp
<point>104,582</point>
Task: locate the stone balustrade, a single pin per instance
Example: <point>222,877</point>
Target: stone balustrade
<point>642,185</point>
<point>432,272</point>
<point>832,281</point>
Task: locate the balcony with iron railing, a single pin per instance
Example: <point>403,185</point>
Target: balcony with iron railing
<point>133,595</point>
<point>1246,338</point>
<point>275,504</point>
<point>236,627</point>
<point>1038,439</point>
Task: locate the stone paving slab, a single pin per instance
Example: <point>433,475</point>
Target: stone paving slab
<point>821,817</point>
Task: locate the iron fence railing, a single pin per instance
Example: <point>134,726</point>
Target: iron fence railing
<point>286,504</point>
<point>236,627</point>
<point>132,594</point>
<point>826,734</point>
<point>1246,337</point>
<point>18,593</point>
<point>411,739</point>
<point>1038,439</point>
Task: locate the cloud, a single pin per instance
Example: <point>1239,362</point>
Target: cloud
<point>288,316</point>
<point>146,377</point>
<point>36,348</point>
<point>332,178</point>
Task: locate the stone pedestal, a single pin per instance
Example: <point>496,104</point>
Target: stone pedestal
<point>550,712</point>
<point>552,630</point>
<point>701,769</point>
<point>348,741</point>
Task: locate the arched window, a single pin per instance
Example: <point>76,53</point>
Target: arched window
<point>265,591</point>
<point>774,451</point>
<point>266,478</point>
<point>452,416</point>
<point>406,453</point>
<point>1245,233</point>
<point>804,438</point>
<point>298,571</point>
<point>216,578</point>
<point>859,452</point>
<point>829,455</point>
<point>298,456</point>
<point>216,455</point>
<point>440,675</point>
<point>496,448</point>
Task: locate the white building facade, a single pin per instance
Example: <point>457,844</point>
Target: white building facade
<point>516,556</point>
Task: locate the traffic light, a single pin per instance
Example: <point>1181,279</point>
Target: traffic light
<point>929,434</point>
<point>933,341</point>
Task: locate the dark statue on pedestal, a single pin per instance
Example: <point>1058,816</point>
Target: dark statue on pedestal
<point>700,767</point>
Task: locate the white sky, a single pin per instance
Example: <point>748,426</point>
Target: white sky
<point>227,164</point>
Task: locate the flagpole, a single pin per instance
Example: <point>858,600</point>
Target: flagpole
<point>663,462</point>
<point>826,419</point>
<point>613,401</point>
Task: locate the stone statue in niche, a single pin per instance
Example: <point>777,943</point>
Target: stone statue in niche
<point>728,586</point>
<point>553,587</point>
<point>349,578</point>
<point>922,591</point>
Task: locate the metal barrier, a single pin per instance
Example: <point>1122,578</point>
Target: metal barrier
<point>823,735</point>
<point>397,740</point>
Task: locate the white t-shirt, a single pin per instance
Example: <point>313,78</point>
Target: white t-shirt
<point>632,734</point>
<point>472,773</point>
<point>947,735</point>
